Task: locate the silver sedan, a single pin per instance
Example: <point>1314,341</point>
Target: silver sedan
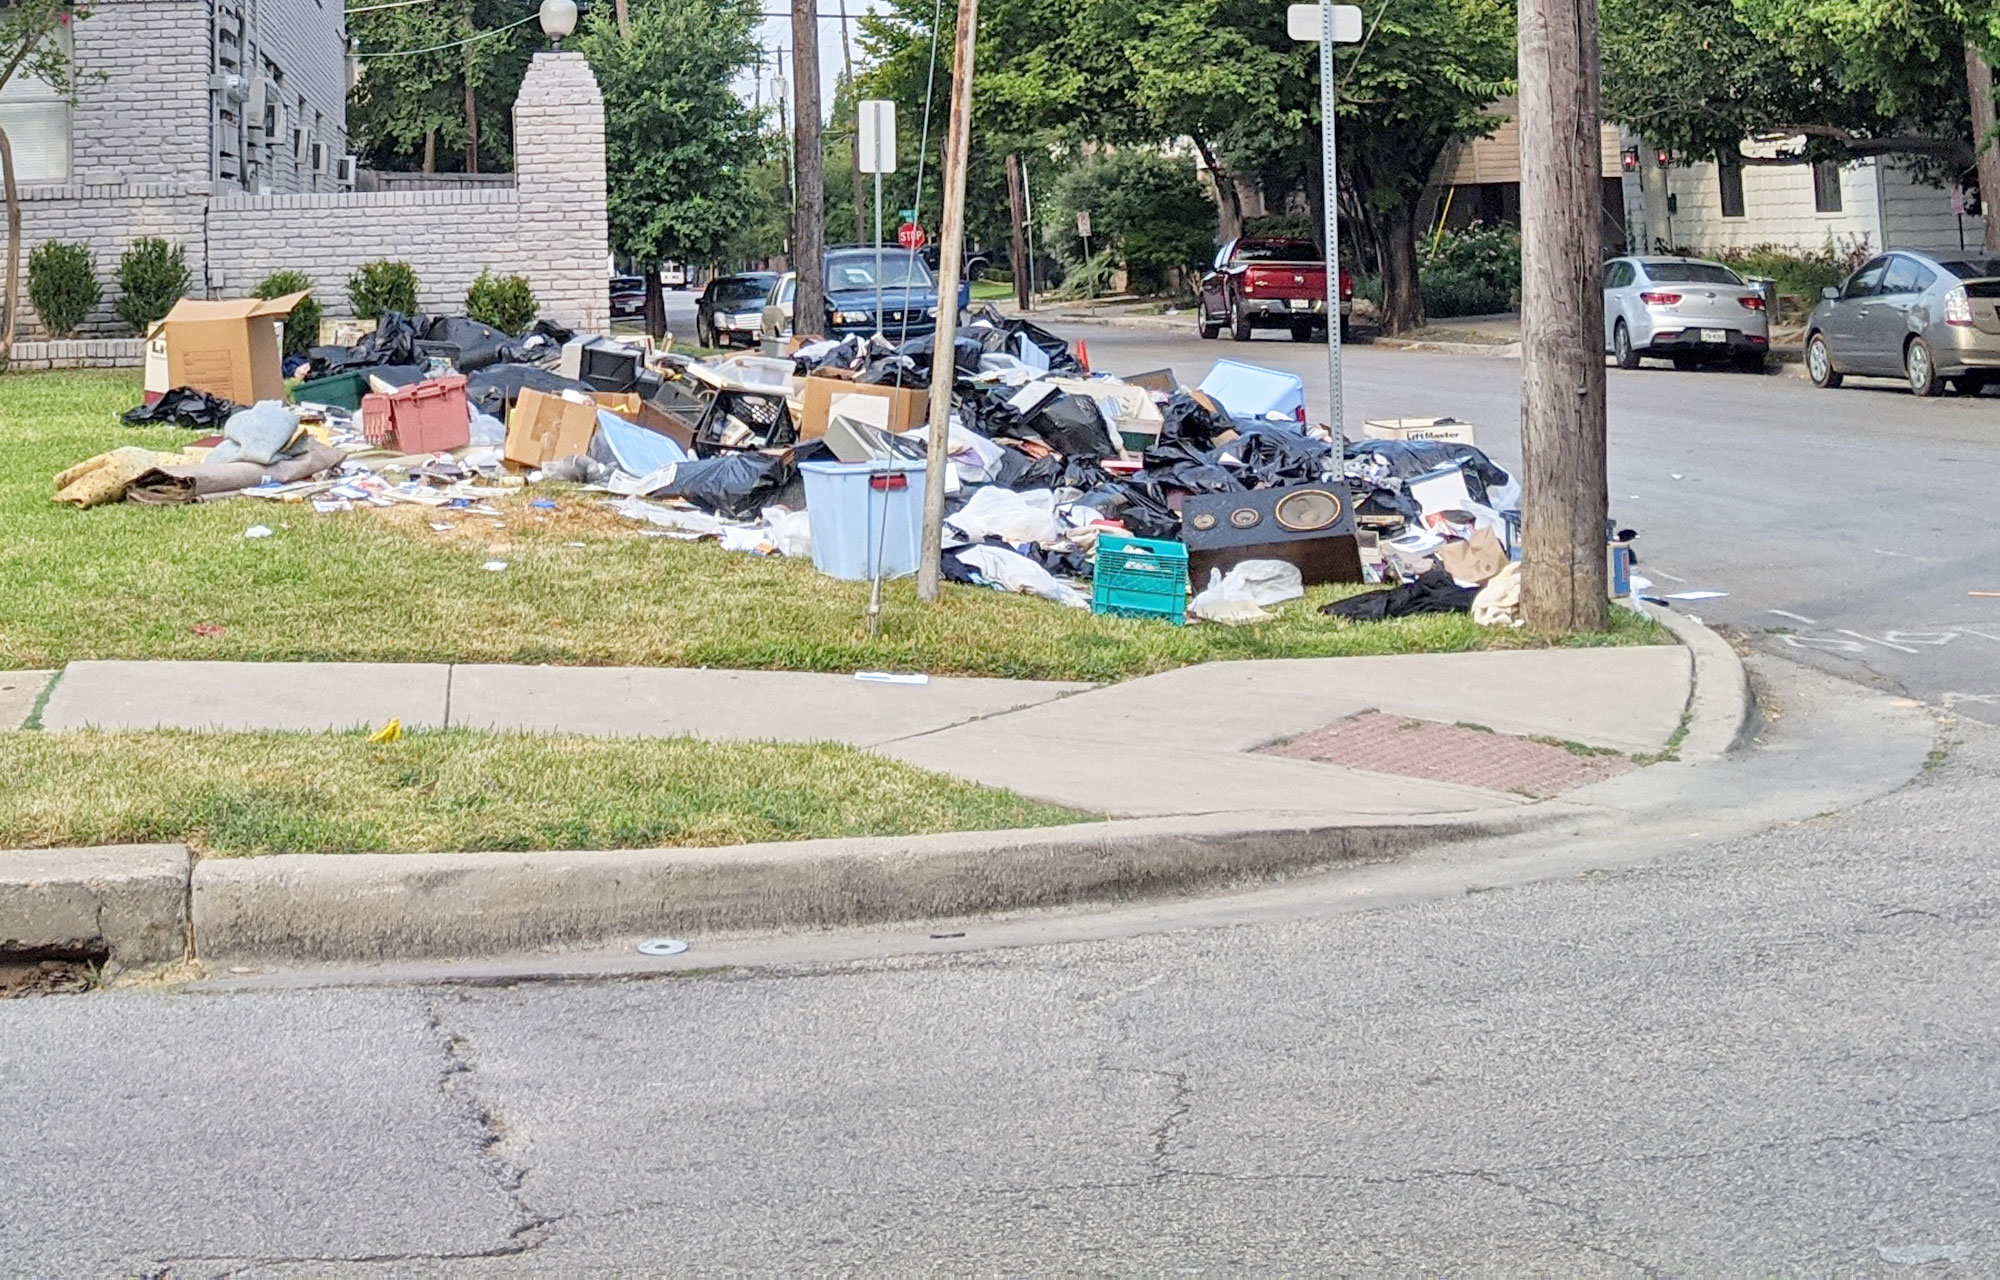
<point>1685,310</point>
<point>1928,318</point>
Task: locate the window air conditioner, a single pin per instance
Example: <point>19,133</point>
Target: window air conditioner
<point>348,165</point>
<point>318,157</point>
<point>230,85</point>
<point>262,113</point>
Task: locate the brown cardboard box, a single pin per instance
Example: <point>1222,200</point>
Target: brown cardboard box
<point>545,428</point>
<point>232,348</point>
<point>1442,430</point>
<point>909,407</point>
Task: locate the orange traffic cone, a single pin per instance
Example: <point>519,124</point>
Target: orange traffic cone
<point>1083,354</point>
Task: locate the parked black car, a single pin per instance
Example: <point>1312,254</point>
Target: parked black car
<point>730,310</point>
<point>628,297</point>
<point>977,261</point>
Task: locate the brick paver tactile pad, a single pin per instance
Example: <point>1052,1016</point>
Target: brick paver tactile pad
<point>1441,752</point>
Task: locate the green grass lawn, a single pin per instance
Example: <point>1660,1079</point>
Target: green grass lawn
<point>991,290</point>
<point>237,794</point>
<point>127,581</point>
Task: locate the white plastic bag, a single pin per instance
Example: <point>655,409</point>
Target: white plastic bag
<point>1014,517</point>
<point>1240,596</point>
<point>1014,571</point>
<point>791,531</point>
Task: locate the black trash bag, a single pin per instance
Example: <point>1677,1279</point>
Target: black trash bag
<point>1274,459</point>
<point>1063,562</point>
<point>1073,426</point>
<point>965,352</point>
<point>549,329</point>
<point>1081,473</point>
<point>989,413</point>
<point>1186,418</point>
<point>1178,464</point>
<point>479,345</point>
<point>184,407</point>
<point>735,485</point>
<point>393,342</point>
<point>1141,508</point>
<point>494,389</point>
<point>896,371</point>
<point>1004,339</point>
<point>1407,459</point>
<point>1435,592</point>
<point>1020,472</point>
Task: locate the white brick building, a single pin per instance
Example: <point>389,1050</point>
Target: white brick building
<point>221,125</point>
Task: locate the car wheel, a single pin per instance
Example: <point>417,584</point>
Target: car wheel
<point>1920,369</point>
<point>1302,333</point>
<point>1621,347</point>
<point>1819,363</point>
<point>704,332</point>
<point>976,269</point>
<point>1208,328</point>
<point>1346,329</point>
<point>1239,322</point>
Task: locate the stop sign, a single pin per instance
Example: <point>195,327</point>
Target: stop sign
<point>911,236</point>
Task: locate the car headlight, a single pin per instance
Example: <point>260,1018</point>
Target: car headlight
<point>932,313</point>
<point>850,317</point>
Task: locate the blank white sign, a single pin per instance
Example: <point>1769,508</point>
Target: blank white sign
<point>875,136</point>
<point>1303,22</point>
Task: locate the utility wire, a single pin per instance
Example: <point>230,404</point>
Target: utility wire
<point>437,48</point>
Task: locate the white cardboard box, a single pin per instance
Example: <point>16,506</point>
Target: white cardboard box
<point>1445,430</point>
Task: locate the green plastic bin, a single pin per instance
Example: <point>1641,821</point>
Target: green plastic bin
<point>342,391</point>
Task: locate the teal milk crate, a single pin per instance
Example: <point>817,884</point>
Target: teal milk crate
<point>1141,578</point>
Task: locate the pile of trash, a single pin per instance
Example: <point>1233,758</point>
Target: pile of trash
<point>1129,495</point>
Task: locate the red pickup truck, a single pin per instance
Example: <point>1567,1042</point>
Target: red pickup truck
<point>1259,282</point>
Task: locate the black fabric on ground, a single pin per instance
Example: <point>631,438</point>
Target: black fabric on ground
<point>1275,458</point>
<point>184,407</point>
<point>479,345</point>
<point>551,330</point>
<point>1435,592</point>
<point>494,389</point>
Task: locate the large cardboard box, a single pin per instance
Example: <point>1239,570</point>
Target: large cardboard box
<point>233,348</point>
<point>1442,430</point>
<point>909,407</point>
<point>547,428</point>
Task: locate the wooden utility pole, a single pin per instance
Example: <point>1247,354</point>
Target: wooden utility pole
<point>1017,203</point>
<point>951,265</point>
<point>809,167</point>
<point>1562,320</point>
<point>860,187</point>
<point>1979,90</point>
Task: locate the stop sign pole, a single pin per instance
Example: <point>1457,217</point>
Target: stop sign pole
<point>1330,24</point>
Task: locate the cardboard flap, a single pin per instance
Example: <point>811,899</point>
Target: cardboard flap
<point>197,311</point>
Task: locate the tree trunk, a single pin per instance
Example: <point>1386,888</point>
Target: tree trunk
<point>1017,209</point>
<point>13,299</point>
<point>1562,320</point>
<point>471,127</point>
<point>809,256</point>
<point>1228,201</point>
<point>861,227</point>
<point>1979,89</point>
<point>656,303</point>
<point>430,151</point>
<point>1402,301</point>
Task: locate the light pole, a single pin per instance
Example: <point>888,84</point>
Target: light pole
<point>1330,24</point>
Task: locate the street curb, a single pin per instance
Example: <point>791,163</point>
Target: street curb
<point>1491,350</point>
<point>127,903</point>
<point>1721,715</point>
<point>372,907</point>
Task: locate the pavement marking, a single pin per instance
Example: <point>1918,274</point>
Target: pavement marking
<point>1795,617</point>
<point>1887,644</point>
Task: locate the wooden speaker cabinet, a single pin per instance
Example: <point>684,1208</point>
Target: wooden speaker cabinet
<point>1309,525</point>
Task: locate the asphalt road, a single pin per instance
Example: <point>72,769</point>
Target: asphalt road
<point>1774,1055</point>
<point>1849,528</point>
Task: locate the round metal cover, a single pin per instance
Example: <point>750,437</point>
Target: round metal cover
<point>1205,521</point>
<point>662,947</point>
<point>1308,510</point>
<point>1245,517</point>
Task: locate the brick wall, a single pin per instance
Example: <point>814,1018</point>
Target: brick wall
<point>146,119</point>
<point>109,217</point>
<point>448,236</point>
<point>559,177</point>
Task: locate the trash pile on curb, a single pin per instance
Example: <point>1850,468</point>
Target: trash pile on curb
<point>1136,496</point>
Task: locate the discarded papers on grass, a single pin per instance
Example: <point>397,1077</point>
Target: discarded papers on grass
<point>1136,496</point>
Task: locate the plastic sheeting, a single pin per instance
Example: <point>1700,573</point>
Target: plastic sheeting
<point>184,407</point>
<point>737,485</point>
<point>1002,513</point>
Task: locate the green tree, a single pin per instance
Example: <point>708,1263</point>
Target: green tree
<point>436,76</point>
<point>1146,209</point>
<point>679,143</point>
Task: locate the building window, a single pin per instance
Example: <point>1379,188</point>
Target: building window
<point>1729,169</point>
<point>1826,186</point>
<point>37,120</point>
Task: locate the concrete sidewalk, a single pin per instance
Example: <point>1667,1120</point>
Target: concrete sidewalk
<point>1176,743</point>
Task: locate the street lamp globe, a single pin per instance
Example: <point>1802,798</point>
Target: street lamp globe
<point>558,19</point>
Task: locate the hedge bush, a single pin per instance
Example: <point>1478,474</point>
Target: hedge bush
<point>381,286</point>
<point>1800,272</point>
<point>505,302</point>
<point>152,277</point>
<point>62,285</point>
<point>302,326</point>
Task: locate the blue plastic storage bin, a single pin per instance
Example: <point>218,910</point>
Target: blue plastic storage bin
<point>858,510</point>
<point>1252,391</point>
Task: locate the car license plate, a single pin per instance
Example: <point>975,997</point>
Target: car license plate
<point>1715,335</point>
<point>1301,304</point>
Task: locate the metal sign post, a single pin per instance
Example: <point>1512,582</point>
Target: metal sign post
<point>875,152</point>
<point>1330,24</point>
